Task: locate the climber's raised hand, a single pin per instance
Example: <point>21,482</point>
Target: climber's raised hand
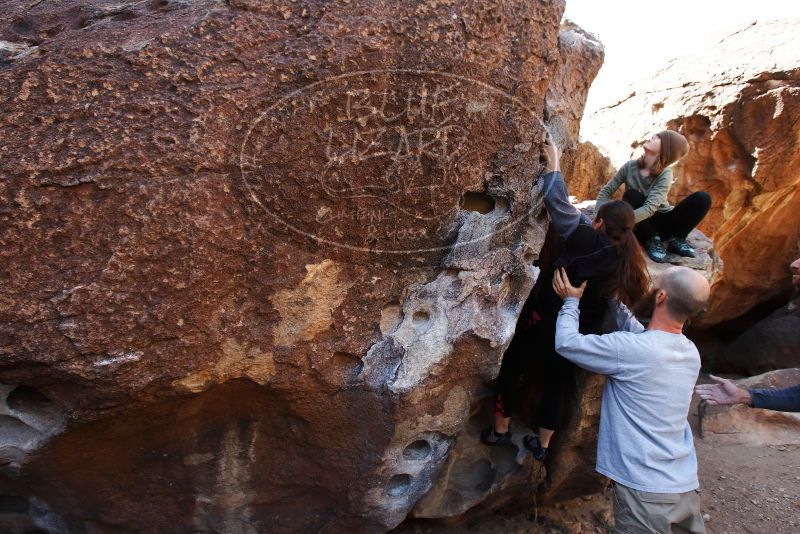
<point>550,152</point>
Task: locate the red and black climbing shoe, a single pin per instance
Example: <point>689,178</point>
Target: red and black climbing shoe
<point>490,437</point>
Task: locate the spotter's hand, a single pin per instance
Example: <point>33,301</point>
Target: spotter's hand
<point>563,287</point>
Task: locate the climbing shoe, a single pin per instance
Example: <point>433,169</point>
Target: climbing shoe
<point>655,249</point>
<point>490,437</point>
<point>680,247</point>
<point>533,444</point>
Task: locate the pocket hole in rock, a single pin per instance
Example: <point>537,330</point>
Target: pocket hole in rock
<point>420,319</point>
<point>475,477</point>
<point>417,450</point>
<point>398,485</point>
<point>26,397</point>
<point>479,202</point>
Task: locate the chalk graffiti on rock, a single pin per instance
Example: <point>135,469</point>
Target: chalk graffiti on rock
<point>422,142</point>
<point>378,160</point>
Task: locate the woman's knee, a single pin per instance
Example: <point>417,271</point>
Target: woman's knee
<point>699,198</point>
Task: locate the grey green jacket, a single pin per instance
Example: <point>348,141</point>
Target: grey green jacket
<point>655,188</point>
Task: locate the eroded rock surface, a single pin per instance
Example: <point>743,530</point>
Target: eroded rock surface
<point>753,426</point>
<point>260,260</point>
<point>588,171</point>
<point>738,103</point>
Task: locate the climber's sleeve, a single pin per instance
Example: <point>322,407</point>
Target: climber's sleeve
<point>782,400</point>
<point>656,196</point>
<point>598,354</point>
<point>624,319</point>
<point>564,215</point>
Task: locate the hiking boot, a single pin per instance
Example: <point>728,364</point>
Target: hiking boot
<point>533,444</point>
<point>492,438</point>
<point>655,249</point>
<point>680,247</point>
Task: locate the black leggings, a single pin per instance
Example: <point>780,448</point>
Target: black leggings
<point>531,359</point>
<point>678,222</point>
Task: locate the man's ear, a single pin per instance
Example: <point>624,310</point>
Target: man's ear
<point>661,296</point>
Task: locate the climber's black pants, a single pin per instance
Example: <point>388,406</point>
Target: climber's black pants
<point>678,222</point>
<point>531,359</point>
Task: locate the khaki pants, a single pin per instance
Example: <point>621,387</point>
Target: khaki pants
<point>641,512</point>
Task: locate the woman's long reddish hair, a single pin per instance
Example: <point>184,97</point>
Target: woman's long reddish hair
<point>631,280</point>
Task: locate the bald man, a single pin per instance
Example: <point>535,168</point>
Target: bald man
<point>645,444</point>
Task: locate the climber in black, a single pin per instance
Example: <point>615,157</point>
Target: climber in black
<point>603,252</point>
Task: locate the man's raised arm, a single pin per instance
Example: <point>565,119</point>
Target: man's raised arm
<point>594,353</point>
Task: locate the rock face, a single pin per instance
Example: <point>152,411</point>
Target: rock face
<point>580,59</point>
<point>752,426</point>
<point>588,171</point>
<point>738,104</point>
<point>770,344</point>
<point>261,260</point>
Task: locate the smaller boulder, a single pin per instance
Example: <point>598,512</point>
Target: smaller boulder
<point>744,425</point>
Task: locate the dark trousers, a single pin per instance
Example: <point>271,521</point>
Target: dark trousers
<point>532,361</point>
<point>678,222</point>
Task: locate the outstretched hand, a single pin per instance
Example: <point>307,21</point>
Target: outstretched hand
<point>723,392</point>
<point>550,152</point>
<point>564,288</point>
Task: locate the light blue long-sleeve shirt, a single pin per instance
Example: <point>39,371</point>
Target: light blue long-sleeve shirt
<point>645,441</point>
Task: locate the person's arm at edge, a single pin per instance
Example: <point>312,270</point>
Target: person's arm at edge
<point>592,352</point>
<point>656,197</point>
<point>781,400</point>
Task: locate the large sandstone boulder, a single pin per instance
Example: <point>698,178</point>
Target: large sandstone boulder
<point>261,259</point>
<point>753,426</point>
<point>738,103</point>
<point>770,344</point>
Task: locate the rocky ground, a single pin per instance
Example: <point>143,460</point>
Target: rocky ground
<point>745,489</point>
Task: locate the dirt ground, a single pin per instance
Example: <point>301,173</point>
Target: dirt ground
<point>744,489</point>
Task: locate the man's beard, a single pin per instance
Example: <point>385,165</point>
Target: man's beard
<point>644,308</point>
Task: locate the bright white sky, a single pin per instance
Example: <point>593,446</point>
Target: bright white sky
<point>640,36</point>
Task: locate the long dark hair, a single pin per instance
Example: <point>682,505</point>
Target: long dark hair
<point>631,280</point>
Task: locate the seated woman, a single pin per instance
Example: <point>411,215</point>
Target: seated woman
<point>647,183</point>
<point>604,253</point>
